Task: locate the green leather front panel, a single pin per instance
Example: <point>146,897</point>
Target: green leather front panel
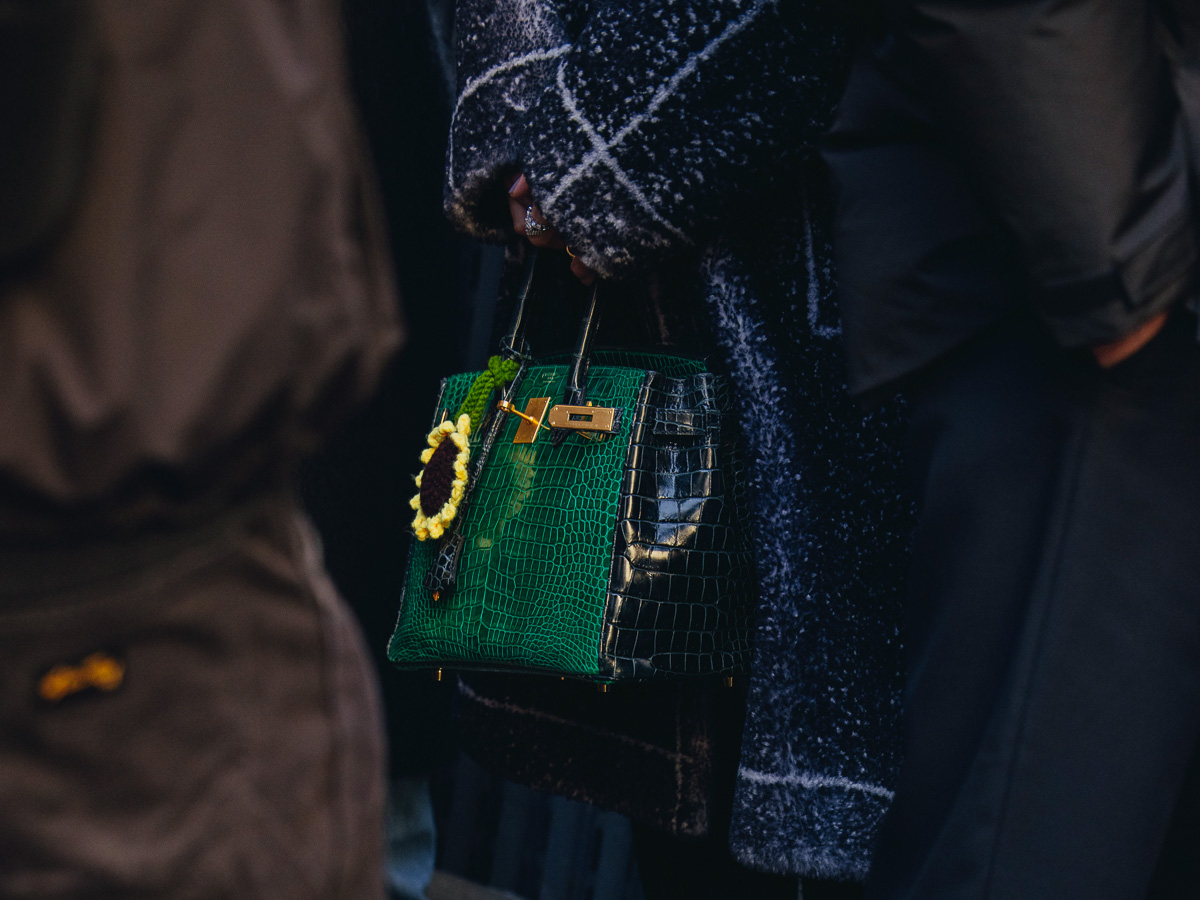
<point>533,575</point>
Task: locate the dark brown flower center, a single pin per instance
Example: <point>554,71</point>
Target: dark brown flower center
<point>438,480</point>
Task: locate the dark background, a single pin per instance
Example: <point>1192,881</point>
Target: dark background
<point>357,490</point>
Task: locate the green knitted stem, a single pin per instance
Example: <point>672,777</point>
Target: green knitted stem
<point>499,372</point>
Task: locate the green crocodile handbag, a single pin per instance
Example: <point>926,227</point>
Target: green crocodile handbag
<point>580,517</point>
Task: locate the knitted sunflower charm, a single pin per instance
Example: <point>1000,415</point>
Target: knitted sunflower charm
<point>442,483</point>
<point>444,478</point>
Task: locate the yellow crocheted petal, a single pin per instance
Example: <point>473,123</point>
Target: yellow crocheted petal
<point>446,427</point>
<point>415,502</point>
<point>426,455</point>
<point>460,470</point>
<point>461,441</point>
<point>464,424</point>
<point>435,530</point>
<point>456,492</point>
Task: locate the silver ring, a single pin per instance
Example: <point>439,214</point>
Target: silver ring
<point>532,226</point>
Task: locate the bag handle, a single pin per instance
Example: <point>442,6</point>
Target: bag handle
<point>576,391</point>
<point>570,415</point>
<point>514,346</point>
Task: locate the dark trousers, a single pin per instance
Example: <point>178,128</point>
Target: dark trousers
<point>673,868</point>
<point>1053,701</point>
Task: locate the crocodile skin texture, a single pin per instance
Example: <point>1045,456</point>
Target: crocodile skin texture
<point>573,562</point>
<point>532,577</point>
<point>441,578</point>
<point>681,587</point>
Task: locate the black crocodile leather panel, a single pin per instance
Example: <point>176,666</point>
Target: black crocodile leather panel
<point>681,590</point>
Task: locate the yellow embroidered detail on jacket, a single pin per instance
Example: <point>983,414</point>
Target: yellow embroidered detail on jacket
<point>99,670</point>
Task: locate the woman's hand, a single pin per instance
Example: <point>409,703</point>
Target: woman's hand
<point>522,208</point>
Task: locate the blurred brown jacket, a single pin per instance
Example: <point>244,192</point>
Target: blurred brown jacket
<point>219,293</point>
<point>210,300</point>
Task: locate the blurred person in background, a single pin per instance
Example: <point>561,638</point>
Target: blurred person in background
<point>193,291</point>
<point>1017,248</point>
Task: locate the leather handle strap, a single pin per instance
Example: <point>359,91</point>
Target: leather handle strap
<point>576,390</point>
<point>513,345</point>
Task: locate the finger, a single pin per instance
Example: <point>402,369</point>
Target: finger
<point>549,237</point>
<point>582,272</point>
<point>551,240</point>
<point>517,210</point>
<point>520,198</point>
<point>521,192</point>
<point>520,204</point>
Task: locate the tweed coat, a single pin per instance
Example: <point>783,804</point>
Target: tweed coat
<point>681,133</point>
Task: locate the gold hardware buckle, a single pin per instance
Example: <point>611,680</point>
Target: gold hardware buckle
<point>583,418</point>
<point>531,419</point>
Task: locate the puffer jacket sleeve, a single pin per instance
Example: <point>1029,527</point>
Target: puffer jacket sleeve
<point>649,120</point>
<point>1065,112</point>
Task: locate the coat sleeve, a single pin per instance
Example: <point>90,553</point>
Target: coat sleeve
<point>662,115</point>
<point>1064,111</point>
<point>507,51</point>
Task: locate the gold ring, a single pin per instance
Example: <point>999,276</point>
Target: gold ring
<point>569,253</point>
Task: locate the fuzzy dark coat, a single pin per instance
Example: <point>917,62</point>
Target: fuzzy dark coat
<point>682,131</point>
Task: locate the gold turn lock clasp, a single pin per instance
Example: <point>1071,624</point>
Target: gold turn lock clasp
<point>531,419</point>
<point>601,419</point>
<point>583,418</point>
